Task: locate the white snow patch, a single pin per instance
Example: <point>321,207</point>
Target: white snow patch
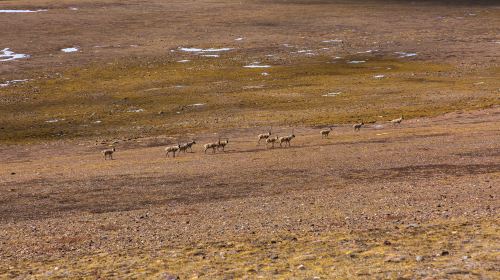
<point>239,39</point>
<point>23,11</point>
<point>256,65</point>
<point>98,122</point>
<point>356,61</point>
<point>205,50</point>
<point>331,94</point>
<point>264,74</point>
<point>135,110</point>
<point>405,54</point>
<point>184,61</point>
<point>54,120</point>
<point>69,50</point>
<point>379,76</point>
<point>73,8</point>
<point>210,55</point>
<point>197,104</point>
<point>368,51</point>
<point>337,57</point>
<point>8,83</point>
<point>7,55</point>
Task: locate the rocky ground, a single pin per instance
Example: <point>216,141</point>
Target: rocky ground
<point>415,200</point>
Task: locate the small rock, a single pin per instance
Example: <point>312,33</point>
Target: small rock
<point>419,258</point>
<point>301,267</point>
<point>445,253</point>
<point>12,173</point>
<point>274,257</point>
<point>465,258</point>
<point>387,242</point>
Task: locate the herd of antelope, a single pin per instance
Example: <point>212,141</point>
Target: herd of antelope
<point>220,145</point>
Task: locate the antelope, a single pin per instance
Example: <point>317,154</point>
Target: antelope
<point>222,144</point>
<point>183,148</point>
<point>264,136</point>
<point>212,146</point>
<point>271,140</point>
<point>325,132</point>
<point>358,126</point>
<point>108,153</point>
<point>397,121</point>
<point>172,149</point>
<point>286,139</point>
<point>188,145</point>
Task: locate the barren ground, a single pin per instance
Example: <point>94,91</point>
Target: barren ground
<point>412,201</point>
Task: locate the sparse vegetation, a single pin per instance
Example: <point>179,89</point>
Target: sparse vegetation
<point>130,99</point>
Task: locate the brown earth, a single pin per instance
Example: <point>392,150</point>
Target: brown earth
<point>401,183</point>
<point>412,201</point>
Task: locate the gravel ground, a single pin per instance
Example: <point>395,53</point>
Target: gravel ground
<point>65,203</point>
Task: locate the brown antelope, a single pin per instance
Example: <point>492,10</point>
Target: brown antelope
<point>108,153</point>
<point>286,139</point>
<point>325,132</point>
<point>212,146</point>
<point>397,121</point>
<point>222,144</point>
<point>185,146</point>
<point>271,140</point>
<point>358,126</point>
<point>172,149</point>
<point>264,136</point>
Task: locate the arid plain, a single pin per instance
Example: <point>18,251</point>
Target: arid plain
<point>418,200</point>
